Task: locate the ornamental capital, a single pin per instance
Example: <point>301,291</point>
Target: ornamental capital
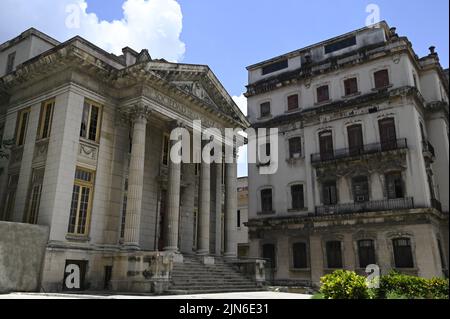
<point>140,111</point>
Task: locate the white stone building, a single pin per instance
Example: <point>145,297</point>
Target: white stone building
<point>363,158</point>
<point>91,160</point>
<point>242,217</point>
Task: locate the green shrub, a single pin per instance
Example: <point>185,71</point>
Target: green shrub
<point>343,284</point>
<point>411,287</point>
<point>438,288</point>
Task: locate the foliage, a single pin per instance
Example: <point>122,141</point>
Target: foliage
<point>343,284</point>
<point>412,287</point>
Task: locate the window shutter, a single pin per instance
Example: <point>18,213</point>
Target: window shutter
<point>381,79</point>
<point>292,102</point>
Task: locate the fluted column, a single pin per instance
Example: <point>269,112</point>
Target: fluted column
<point>218,210</point>
<point>173,206</point>
<point>231,209</point>
<point>139,117</point>
<point>205,209</point>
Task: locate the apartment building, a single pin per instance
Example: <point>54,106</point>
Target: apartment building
<point>363,158</point>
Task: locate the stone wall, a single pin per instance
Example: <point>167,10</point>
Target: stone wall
<point>22,250</point>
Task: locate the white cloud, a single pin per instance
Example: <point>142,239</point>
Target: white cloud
<point>155,25</point>
<point>241,101</point>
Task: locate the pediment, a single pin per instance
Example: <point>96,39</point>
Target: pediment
<point>195,88</point>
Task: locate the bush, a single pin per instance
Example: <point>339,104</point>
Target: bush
<point>343,284</point>
<point>395,285</point>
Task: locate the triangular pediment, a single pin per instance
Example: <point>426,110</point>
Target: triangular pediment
<point>195,88</point>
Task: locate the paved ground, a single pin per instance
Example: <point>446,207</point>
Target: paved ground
<point>236,295</point>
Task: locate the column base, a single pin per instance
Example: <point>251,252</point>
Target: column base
<point>230,255</point>
<point>171,249</point>
<point>202,252</point>
<point>131,246</point>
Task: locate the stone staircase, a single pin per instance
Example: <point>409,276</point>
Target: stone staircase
<point>194,277</point>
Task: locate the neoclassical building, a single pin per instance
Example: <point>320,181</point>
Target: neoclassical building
<point>91,160</point>
<point>363,158</point>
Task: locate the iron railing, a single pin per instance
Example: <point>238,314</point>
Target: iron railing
<point>358,151</point>
<point>370,206</point>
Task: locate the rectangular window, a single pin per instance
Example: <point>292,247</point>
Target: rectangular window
<point>91,121</point>
<point>265,109</point>
<point>295,147</point>
<point>273,67</point>
<point>441,254</point>
<point>329,192</point>
<point>360,189</point>
<point>403,253</point>
<point>381,79</point>
<point>388,135</point>
<point>81,202</point>
<point>45,119</point>
<point>334,254</point>
<point>165,149</point>
<point>35,196</point>
<point>238,218</point>
<point>394,185</point>
<point>366,253</point>
<point>297,197</point>
<point>292,102</point>
<point>10,62</point>
<point>299,256</point>
<point>266,200</point>
<point>22,126</point>
<point>326,145</point>
<point>124,208</point>
<point>323,94</point>
<point>348,42</point>
<point>10,197</point>
<point>351,86</point>
<point>355,139</point>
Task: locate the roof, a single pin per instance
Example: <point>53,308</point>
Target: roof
<point>26,34</point>
<point>382,24</point>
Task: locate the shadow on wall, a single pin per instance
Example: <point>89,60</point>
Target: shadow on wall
<point>22,251</point>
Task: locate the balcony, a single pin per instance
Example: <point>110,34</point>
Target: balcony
<point>368,149</point>
<point>371,206</point>
<point>428,150</point>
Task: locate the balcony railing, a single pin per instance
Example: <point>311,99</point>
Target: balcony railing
<point>358,151</point>
<point>427,147</point>
<point>371,206</point>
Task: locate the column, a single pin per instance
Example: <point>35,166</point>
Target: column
<point>139,118</point>
<point>173,206</point>
<point>231,208</point>
<point>218,248</point>
<point>205,209</point>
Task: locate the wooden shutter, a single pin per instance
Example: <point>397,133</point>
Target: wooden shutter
<point>388,136</point>
<point>326,145</point>
<point>351,86</point>
<point>323,94</point>
<point>355,139</point>
<point>381,79</point>
<point>292,102</point>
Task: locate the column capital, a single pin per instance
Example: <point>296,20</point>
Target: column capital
<point>140,111</point>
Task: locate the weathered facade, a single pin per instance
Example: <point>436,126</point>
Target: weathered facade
<point>91,160</point>
<point>363,158</point>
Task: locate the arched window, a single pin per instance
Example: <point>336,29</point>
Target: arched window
<point>403,253</point>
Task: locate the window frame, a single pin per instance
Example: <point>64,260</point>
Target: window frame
<point>389,177</point>
<point>356,87</point>
<point>299,146</point>
<point>82,185</point>
<point>339,252</point>
<point>92,104</point>
<point>266,103</point>
<point>374,74</point>
<point>395,254</point>
<point>358,181</point>
<point>318,96</point>
<point>327,184</point>
<point>20,123</point>
<point>34,202</point>
<point>372,247</point>
<point>303,206</point>
<point>10,61</point>
<point>293,250</point>
<point>288,102</point>
<point>262,198</point>
<point>165,142</point>
<point>42,119</point>
<point>10,196</point>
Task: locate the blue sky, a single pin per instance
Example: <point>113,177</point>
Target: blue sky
<point>230,35</point>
